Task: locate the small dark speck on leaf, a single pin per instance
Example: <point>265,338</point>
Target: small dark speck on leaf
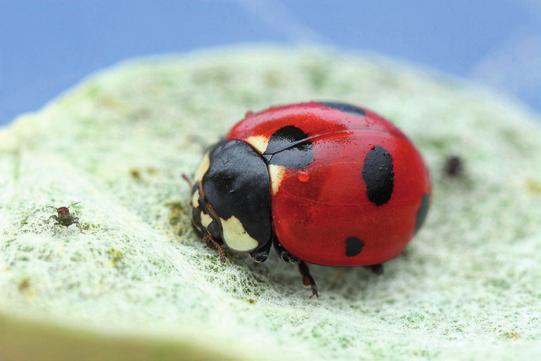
<point>24,284</point>
<point>511,335</point>
<point>116,256</point>
<point>176,206</point>
<point>178,211</point>
<point>454,166</point>
<point>135,173</point>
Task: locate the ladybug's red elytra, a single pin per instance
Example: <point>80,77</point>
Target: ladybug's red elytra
<point>325,183</point>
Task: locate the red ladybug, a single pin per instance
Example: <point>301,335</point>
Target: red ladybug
<point>326,183</point>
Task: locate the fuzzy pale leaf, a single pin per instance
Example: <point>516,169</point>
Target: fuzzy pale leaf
<point>137,284</point>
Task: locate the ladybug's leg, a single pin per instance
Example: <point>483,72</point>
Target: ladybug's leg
<point>197,231</point>
<point>284,255</point>
<point>261,254</point>
<point>219,246</point>
<point>376,268</point>
<point>307,279</point>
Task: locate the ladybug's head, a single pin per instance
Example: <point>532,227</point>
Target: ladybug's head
<point>231,197</point>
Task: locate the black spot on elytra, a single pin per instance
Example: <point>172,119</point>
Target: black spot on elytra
<point>378,175</point>
<point>289,146</point>
<point>422,212</point>
<point>344,107</point>
<point>232,191</point>
<point>354,246</point>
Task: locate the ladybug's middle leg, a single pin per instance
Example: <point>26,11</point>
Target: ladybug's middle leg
<point>307,279</point>
<point>376,268</point>
<point>284,255</point>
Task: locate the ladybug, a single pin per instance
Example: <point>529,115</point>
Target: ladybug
<point>325,183</point>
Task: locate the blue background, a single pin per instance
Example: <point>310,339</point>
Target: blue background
<point>48,45</point>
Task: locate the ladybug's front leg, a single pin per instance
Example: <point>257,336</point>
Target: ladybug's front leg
<point>307,279</point>
<point>218,245</point>
<point>262,253</point>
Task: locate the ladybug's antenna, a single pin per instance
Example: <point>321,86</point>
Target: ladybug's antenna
<point>188,181</point>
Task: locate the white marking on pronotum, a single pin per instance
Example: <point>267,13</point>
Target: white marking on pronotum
<point>235,236</point>
<point>259,142</point>
<point>205,219</point>
<point>195,199</point>
<point>203,167</point>
<point>276,173</point>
